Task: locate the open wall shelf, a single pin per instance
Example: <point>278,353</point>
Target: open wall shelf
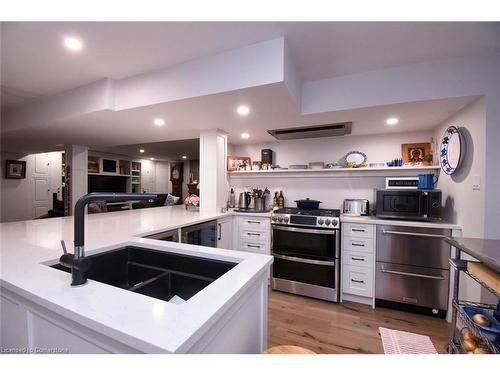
<point>335,172</point>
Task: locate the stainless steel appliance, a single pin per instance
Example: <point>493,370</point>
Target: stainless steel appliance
<point>412,267</point>
<point>306,250</point>
<point>401,183</point>
<point>409,204</point>
<point>356,207</point>
<point>204,234</point>
<point>244,200</point>
<point>171,235</point>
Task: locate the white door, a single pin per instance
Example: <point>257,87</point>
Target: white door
<point>41,185</point>
<point>55,174</point>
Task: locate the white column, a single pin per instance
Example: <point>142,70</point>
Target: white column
<point>213,175</point>
<point>77,159</point>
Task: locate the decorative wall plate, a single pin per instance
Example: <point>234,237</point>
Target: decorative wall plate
<point>356,158</point>
<point>451,151</point>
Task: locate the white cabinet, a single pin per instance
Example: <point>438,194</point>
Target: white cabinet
<point>225,233</point>
<point>254,234</point>
<point>358,253</point>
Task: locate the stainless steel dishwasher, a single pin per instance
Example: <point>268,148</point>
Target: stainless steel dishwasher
<point>412,268</point>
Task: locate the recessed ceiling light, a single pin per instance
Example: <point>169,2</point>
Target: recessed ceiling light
<point>243,110</point>
<point>159,121</point>
<point>152,158</point>
<point>392,121</point>
<point>141,151</point>
<point>184,157</point>
<point>72,43</point>
<point>245,135</point>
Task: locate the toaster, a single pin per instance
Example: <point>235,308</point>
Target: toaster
<point>356,207</point>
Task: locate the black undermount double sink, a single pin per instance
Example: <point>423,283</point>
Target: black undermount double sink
<point>154,273</point>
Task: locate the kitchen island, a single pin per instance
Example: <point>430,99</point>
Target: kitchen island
<point>41,312</point>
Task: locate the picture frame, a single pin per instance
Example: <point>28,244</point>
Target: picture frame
<point>234,163</point>
<point>416,153</point>
<point>15,169</point>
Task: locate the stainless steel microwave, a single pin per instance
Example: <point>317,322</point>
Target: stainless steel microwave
<point>404,204</point>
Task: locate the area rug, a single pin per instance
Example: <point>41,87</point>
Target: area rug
<point>401,342</point>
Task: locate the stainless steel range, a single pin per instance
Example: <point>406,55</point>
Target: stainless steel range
<point>306,250</point>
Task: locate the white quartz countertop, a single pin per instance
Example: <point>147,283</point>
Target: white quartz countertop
<point>144,323</point>
<point>406,223</point>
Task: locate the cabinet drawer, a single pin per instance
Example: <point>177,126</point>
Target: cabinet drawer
<point>359,259</point>
<point>358,230</point>
<point>260,223</point>
<point>254,235</point>
<point>254,247</point>
<point>358,244</point>
<point>357,281</point>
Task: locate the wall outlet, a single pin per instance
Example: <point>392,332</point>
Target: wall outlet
<point>476,182</point>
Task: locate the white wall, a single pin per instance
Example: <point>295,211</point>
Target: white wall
<point>462,204</point>
<point>17,195</point>
<point>162,177</point>
<point>331,191</point>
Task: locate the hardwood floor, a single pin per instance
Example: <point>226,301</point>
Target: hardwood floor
<point>326,327</point>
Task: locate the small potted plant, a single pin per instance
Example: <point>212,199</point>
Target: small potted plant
<point>192,203</point>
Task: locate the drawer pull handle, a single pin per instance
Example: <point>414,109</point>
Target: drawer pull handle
<point>357,244</point>
<point>357,281</point>
<point>412,274</point>
<point>253,234</point>
<point>253,222</point>
<point>254,246</point>
<point>357,230</point>
<point>303,260</point>
<point>360,259</point>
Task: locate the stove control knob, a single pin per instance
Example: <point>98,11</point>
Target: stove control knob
<point>327,221</point>
<point>280,219</point>
<point>286,219</point>
<point>320,221</point>
<point>335,222</point>
<point>274,218</point>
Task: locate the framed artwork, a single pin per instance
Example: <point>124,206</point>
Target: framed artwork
<point>234,163</point>
<point>15,169</point>
<point>415,153</point>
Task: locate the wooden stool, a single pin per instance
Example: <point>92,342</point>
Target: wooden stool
<point>288,349</point>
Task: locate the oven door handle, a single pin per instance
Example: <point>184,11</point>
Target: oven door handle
<point>413,234</point>
<point>302,260</point>
<point>412,274</point>
<point>304,230</point>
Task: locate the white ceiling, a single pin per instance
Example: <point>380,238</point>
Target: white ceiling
<point>34,64</point>
<point>271,107</point>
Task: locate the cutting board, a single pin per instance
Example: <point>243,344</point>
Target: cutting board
<point>485,274</point>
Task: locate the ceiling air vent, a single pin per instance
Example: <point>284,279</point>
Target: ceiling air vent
<point>318,131</point>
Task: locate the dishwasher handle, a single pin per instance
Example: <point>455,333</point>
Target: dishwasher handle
<point>415,234</point>
<point>420,275</point>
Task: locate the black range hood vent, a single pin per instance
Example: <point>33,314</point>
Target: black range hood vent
<point>317,131</point>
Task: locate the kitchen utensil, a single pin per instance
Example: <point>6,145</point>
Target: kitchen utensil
<point>259,204</point>
<point>298,166</point>
<point>426,181</point>
<point>244,200</point>
<point>356,207</point>
<point>307,204</point>
<point>317,165</point>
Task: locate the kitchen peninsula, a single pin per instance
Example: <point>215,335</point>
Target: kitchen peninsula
<point>41,310</point>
